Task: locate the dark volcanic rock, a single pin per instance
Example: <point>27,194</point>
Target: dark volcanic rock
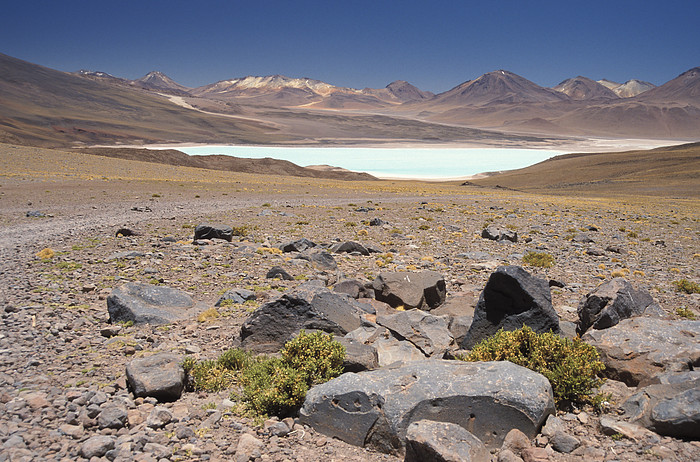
<point>512,298</point>
<point>213,231</point>
<point>236,296</point>
<point>309,308</point>
<point>613,301</point>
<point>638,349</point>
<point>146,303</point>
<point>349,247</point>
<point>375,408</point>
<point>319,259</point>
<point>424,290</point>
<point>279,273</point>
<point>297,246</point>
<point>496,233</point>
<point>160,376</point>
<point>668,409</point>
<point>354,288</point>
<point>429,441</point>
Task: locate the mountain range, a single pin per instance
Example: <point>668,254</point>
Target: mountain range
<point>49,107</point>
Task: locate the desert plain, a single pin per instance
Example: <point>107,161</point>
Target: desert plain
<point>61,364</point>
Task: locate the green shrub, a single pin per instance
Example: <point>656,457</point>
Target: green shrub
<point>210,376</point>
<point>685,313</point>
<point>234,359</point>
<point>540,259</point>
<point>316,355</point>
<point>278,385</point>
<point>271,387</point>
<point>570,366</point>
<point>687,286</point>
<point>275,386</point>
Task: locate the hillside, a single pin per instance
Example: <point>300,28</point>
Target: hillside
<point>670,171</point>
<point>265,166</point>
<point>44,107</point>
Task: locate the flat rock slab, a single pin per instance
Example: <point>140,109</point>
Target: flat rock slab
<point>424,290</point>
<point>512,298</point>
<point>160,376</point>
<point>428,441</point>
<point>428,333</point>
<point>148,304</point>
<point>375,408</point>
<point>638,349</point>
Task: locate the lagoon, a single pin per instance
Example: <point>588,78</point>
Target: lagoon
<point>396,162</point>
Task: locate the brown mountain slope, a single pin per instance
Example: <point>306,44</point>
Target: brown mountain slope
<point>498,87</point>
<point>684,89</point>
<point>265,166</point>
<point>669,171</point>
<point>41,106</point>
<point>582,88</point>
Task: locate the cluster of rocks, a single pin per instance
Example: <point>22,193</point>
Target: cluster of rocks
<point>400,390</point>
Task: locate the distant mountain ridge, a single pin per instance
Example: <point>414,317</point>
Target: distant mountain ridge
<point>41,105</point>
<point>582,88</point>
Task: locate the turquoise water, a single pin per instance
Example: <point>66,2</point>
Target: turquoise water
<point>433,163</point>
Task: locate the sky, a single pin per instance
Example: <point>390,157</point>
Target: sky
<point>435,45</point>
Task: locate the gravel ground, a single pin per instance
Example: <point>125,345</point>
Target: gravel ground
<point>58,373</point>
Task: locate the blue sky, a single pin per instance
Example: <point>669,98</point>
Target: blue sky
<point>434,45</point>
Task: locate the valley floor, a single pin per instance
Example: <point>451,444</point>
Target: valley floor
<point>55,364</point>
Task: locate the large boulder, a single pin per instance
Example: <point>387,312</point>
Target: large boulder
<point>671,409</point>
<point>430,441</point>
<point>160,376</point>
<point>148,304</point>
<point>611,302</point>
<point>638,349</point>
<point>424,290</point>
<point>428,333</point>
<point>512,298</point>
<point>213,231</point>
<point>375,408</point>
<point>309,308</point>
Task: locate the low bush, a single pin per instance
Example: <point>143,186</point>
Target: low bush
<point>271,385</point>
<point>540,259</point>
<point>570,366</point>
<point>687,286</point>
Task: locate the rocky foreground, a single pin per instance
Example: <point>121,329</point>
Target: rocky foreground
<point>63,385</point>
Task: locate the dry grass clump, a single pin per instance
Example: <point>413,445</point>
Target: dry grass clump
<point>46,254</point>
